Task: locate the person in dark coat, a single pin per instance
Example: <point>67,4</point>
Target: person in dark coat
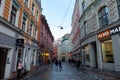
<point>60,65</point>
<point>78,64</point>
<point>56,64</point>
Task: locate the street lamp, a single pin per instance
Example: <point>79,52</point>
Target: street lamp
<point>60,27</point>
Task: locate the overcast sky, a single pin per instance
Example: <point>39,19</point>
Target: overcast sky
<point>55,11</point>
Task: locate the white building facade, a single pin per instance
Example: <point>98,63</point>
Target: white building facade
<point>18,36</point>
<point>99,33</point>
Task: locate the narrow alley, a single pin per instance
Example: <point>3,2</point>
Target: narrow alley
<point>68,72</point>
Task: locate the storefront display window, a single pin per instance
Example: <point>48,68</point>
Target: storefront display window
<point>107,52</point>
<point>87,53</point>
<point>32,57</point>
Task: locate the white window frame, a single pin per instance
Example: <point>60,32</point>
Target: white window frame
<point>17,14</point>
<point>2,6</point>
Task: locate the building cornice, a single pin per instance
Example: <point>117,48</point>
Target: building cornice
<point>9,25</point>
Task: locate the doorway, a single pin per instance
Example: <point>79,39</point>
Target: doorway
<point>3,56</point>
<point>95,53</point>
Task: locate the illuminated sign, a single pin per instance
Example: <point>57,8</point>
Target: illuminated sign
<point>104,34</point>
<point>115,30</point>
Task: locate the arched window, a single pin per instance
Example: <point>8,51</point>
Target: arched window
<point>85,27</point>
<point>103,16</point>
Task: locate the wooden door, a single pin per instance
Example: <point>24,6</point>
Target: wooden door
<point>3,56</point>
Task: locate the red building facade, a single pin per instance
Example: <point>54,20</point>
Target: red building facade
<point>45,41</point>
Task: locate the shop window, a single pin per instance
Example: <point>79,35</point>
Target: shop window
<point>87,53</point>
<point>118,2</point>
<point>32,58</point>
<point>103,16</point>
<point>107,52</point>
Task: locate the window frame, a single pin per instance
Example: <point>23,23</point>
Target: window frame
<point>13,15</point>
<point>37,13</point>
<point>33,6</point>
<point>118,4</point>
<point>103,16</point>
<point>0,2</point>
<point>83,5</point>
<point>24,23</point>
<point>26,3</point>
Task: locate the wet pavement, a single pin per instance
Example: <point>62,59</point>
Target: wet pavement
<point>68,72</point>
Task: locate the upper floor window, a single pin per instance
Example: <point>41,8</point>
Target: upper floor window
<point>24,21</point>
<point>118,2</point>
<point>0,2</point>
<point>36,30</point>
<point>103,16</point>
<point>83,6</point>
<point>14,12</point>
<point>85,28</point>
<point>24,24</point>
<point>13,15</point>
<point>26,3</point>
<point>31,28</point>
<point>32,8</point>
<point>37,15</point>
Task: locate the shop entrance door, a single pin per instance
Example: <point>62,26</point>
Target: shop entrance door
<point>95,51</point>
<point>3,56</point>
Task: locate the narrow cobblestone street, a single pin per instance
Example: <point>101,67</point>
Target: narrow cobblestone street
<point>68,73</point>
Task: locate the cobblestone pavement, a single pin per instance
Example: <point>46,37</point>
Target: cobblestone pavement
<point>68,72</point>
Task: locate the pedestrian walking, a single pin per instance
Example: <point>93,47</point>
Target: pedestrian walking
<point>56,65</point>
<point>77,64</point>
<point>19,68</point>
<point>60,65</point>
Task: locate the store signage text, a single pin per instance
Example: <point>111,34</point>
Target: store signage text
<point>19,42</point>
<point>104,34</point>
<point>114,30</point>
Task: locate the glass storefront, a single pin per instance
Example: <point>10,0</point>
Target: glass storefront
<point>107,52</point>
<point>87,53</point>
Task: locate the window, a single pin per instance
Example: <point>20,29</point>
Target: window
<point>24,21</point>
<point>32,58</point>
<point>36,33</point>
<point>0,2</point>
<point>32,8</point>
<point>103,16</point>
<point>118,2</point>
<point>26,3</point>
<point>24,24</point>
<point>13,15</point>
<point>107,52</point>
<point>37,16</point>
<point>87,53</point>
<point>85,27</point>
<point>83,6</point>
<point>31,26</point>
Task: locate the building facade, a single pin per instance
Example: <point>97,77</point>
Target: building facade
<point>64,47</point>
<point>99,33</point>
<point>75,33</point>
<point>45,42</point>
<point>19,21</point>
